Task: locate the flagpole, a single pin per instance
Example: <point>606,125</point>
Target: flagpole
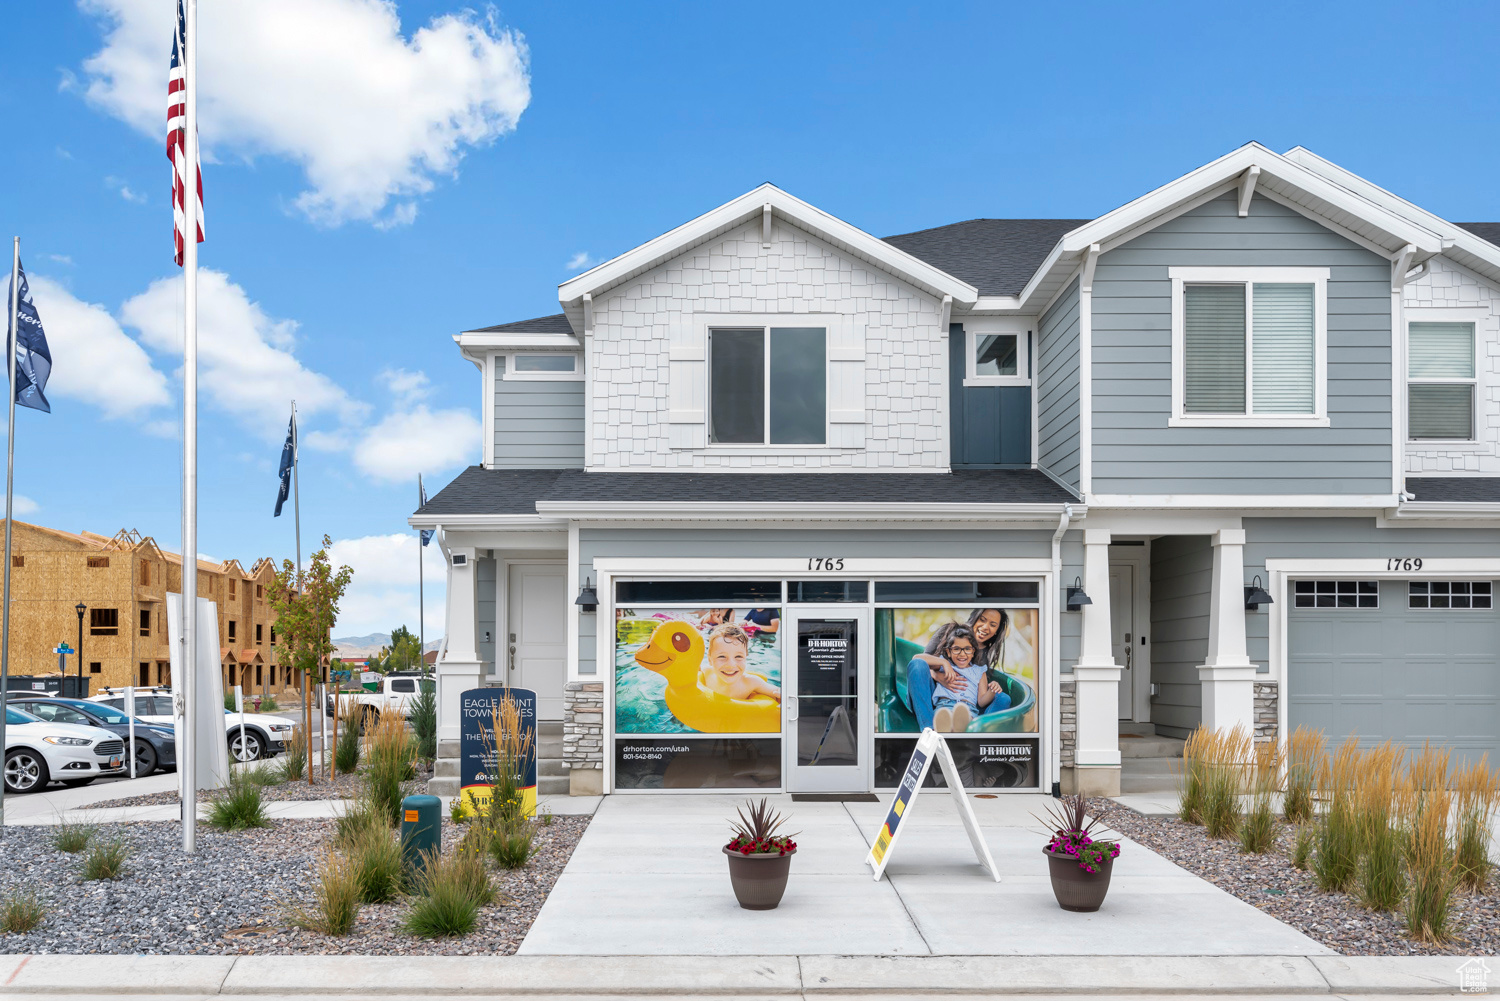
<point>188,762</point>
<point>421,591</point>
<point>10,468</point>
<point>297,522</point>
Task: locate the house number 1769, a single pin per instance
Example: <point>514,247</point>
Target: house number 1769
<point>825,563</point>
<point>1400,563</point>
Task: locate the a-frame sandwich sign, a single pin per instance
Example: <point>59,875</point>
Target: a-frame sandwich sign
<point>929,746</point>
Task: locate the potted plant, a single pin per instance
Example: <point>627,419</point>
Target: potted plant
<point>759,859</point>
<point>1080,863</point>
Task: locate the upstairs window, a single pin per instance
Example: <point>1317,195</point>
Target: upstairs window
<point>996,356</point>
<point>1440,381</point>
<point>768,386</point>
<point>542,367</point>
<point>1249,351</point>
<point>104,621</point>
<point>145,622</point>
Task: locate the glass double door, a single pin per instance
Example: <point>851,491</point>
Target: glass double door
<point>827,698</point>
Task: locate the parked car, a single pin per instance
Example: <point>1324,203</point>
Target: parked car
<point>264,735</point>
<point>396,692</point>
<point>38,752</point>
<point>155,746</point>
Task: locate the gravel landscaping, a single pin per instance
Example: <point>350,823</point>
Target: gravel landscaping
<point>345,787</point>
<point>1272,884</point>
<point>232,895</point>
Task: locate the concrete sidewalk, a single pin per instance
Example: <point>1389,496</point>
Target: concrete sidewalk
<point>648,878</point>
<point>744,976</point>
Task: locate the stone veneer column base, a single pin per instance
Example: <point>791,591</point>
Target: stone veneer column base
<point>583,737</point>
<point>1267,695</point>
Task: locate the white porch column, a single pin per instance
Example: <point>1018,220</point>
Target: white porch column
<point>1228,675</point>
<point>459,670</point>
<point>1097,676</point>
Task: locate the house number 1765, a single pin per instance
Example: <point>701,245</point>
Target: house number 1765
<point>825,563</point>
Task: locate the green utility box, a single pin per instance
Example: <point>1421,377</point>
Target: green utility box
<point>421,831</point>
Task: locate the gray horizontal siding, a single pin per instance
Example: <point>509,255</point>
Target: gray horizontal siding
<point>538,425</point>
<point>1135,452</point>
<point>1181,578</point>
<point>1058,393</point>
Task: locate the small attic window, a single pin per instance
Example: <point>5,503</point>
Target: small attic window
<point>542,366</point>
<point>99,562</point>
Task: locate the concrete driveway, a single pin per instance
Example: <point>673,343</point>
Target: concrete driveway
<point>648,878</point>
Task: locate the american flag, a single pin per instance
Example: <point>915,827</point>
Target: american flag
<point>177,136</point>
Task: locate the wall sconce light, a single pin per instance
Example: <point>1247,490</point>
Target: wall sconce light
<point>1255,596</point>
<point>1076,598</point>
<point>587,600</point>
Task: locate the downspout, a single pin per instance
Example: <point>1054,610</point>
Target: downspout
<point>1054,630</point>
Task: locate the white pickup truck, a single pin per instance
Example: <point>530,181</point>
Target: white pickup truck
<point>396,692</point>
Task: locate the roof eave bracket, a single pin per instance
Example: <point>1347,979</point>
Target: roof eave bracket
<point>1247,189</point>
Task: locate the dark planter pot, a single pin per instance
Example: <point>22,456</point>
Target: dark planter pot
<point>1075,889</point>
<point>759,880</point>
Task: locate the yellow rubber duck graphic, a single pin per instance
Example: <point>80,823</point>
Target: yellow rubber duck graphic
<point>675,651</point>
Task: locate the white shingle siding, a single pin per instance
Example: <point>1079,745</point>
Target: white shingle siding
<point>1446,284</point>
<point>905,367</point>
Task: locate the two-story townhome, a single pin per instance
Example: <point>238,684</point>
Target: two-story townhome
<point>771,494</point>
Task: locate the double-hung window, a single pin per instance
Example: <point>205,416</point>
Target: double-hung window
<point>1249,346</point>
<point>1440,381</point>
<point>767,385</point>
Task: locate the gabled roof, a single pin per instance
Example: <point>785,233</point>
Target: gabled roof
<point>1488,231</point>
<point>557,323</point>
<point>996,256</point>
<point>750,206</point>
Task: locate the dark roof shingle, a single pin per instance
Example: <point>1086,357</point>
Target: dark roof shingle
<point>1455,489</point>
<point>996,256</point>
<point>557,323</point>
<point>1484,230</point>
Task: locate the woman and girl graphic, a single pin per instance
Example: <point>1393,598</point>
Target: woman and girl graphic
<point>950,684</point>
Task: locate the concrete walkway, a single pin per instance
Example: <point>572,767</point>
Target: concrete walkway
<point>648,878</point>
<point>748,976</point>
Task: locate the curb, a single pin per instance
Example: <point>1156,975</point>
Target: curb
<point>490,976</point>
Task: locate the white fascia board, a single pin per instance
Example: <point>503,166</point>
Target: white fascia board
<point>1444,510</point>
<point>990,304</point>
<point>480,340</point>
<point>751,205</point>
<point>779,512</point>
<point>1322,503</point>
<point>454,521</point>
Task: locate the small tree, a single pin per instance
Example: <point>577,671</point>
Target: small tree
<point>405,651</point>
<point>307,607</point>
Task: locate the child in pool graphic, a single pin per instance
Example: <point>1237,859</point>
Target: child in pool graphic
<point>724,666</point>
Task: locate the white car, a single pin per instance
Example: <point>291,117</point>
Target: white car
<point>38,752</point>
<point>264,736</point>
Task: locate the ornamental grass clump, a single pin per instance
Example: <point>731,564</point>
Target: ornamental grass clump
<point>755,831</point>
<point>1194,775</point>
<point>450,892</point>
<point>239,807</point>
<point>335,905</point>
<point>360,816</point>
<point>72,837</point>
<point>294,758</point>
<point>1306,756</point>
<point>1260,830</point>
<point>504,823</point>
<point>346,748</point>
<point>1073,834</point>
<point>1382,798</point>
<point>422,713</point>
<point>376,857</point>
<point>390,758</point>
<point>106,860</point>
<point>1302,846</point>
<point>1227,759</point>
<point>1434,877</point>
<point>21,912</point>
<point>1477,791</point>
<point>1335,861</point>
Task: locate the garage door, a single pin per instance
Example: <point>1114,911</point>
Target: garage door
<point>1405,661</point>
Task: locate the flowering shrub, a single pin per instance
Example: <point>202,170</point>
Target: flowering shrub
<point>765,846</point>
<point>1073,834</point>
<point>1091,854</point>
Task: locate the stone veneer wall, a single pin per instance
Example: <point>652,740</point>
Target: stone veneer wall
<point>1068,708</point>
<point>583,725</point>
<point>1266,695</point>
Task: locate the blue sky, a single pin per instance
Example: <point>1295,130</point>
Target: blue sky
<point>377,182</point>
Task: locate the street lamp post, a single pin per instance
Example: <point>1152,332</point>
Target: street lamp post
<point>80,608</point>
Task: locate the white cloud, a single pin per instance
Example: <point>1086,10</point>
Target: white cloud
<point>580,260</point>
<point>93,360</point>
<point>245,361</point>
<point>115,184</point>
<point>61,259</point>
<point>22,505</point>
<point>415,441</point>
<point>372,119</point>
<point>406,386</point>
<point>383,591</point>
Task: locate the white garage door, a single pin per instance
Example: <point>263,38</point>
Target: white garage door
<point>1405,661</point>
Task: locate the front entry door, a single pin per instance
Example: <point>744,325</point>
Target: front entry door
<point>537,644</point>
<point>1122,622</point>
<point>825,699</point>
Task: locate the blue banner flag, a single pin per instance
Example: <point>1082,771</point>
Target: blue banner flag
<point>425,533</point>
<point>288,458</point>
<point>33,363</point>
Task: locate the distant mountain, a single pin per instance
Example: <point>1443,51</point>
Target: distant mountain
<point>369,646</point>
